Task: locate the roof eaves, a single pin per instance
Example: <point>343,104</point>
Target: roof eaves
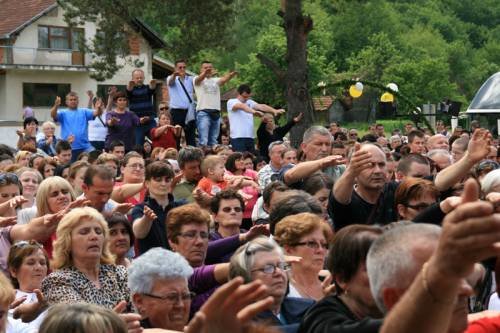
<point>27,23</point>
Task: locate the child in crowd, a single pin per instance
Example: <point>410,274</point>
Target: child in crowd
<point>165,135</point>
<point>212,169</point>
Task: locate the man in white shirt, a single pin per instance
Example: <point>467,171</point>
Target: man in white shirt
<point>241,111</point>
<point>207,88</point>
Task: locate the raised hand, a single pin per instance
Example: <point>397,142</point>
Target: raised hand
<point>71,138</point>
<point>360,160</point>
<point>57,101</point>
<point>470,234</point>
<point>149,214</point>
<point>298,117</point>
<point>327,286</point>
<point>131,319</point>
<point>17,201</point>
<point>255,231</point>
<point>332,160</point>
<point>231,308</point>
<point>479,145</point>
<point>279,111</point>
<point>30,311</point>
<point>90,93</point>
<point>7,221</point>
<point>122,208</point>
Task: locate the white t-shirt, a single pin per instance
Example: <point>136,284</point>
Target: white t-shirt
<point>240,122</point>
<point>97,130</point>
<point>207,94</point>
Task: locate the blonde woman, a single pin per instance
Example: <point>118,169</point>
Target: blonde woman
<point>23,158</point>
<point>307,236</point>
<point>30,180</point>
<point>84,269</point>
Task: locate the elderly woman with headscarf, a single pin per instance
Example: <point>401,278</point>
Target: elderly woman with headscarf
<point>84,269</point>
<point>263,259</point>
<point>158,282</point>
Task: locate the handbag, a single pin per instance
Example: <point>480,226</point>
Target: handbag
<point>191,113</point>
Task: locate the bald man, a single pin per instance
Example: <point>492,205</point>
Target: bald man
<point>438,141</point>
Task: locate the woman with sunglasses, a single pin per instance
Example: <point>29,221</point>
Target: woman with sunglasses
<point>263,259</point>
<point>28,265</point>
<point>307,236</point>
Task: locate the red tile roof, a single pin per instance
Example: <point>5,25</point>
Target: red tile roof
<point>14,13</point>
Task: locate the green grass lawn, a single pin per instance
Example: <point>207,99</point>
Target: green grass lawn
<point>389,125</point>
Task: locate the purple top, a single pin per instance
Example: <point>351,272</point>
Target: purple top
<point>123,130</point>
<point>203,284</point>
<point>220,250</point>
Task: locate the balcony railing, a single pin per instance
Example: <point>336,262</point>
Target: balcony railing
<point>16,55</point>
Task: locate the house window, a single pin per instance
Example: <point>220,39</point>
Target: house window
<point>44,94</point>
<point>59,38</point>
<point>102,90</point>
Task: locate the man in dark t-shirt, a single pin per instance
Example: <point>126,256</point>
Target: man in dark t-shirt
<point>140,98</point>
<point>361,194</point>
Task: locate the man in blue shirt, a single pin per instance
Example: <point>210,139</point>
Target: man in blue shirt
<point>180,92</point>
<point>74,123</point>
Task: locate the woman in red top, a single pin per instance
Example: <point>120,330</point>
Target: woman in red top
<point>165,135</point>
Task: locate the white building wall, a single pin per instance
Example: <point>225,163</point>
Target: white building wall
<point>11,84</point>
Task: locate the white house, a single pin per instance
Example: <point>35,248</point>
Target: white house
<point>40,58</point>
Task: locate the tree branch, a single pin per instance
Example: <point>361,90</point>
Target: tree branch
<point>280,73</point>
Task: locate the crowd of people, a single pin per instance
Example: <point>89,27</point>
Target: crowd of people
<point>178,219</point>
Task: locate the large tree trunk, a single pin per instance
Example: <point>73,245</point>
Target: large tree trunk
<point>298,97</point>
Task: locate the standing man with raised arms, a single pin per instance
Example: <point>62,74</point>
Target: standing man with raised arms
<point>74,123</point>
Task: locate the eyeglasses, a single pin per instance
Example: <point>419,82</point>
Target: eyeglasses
<point>136,166</point>
<point>271,268</point>
<point>173,298</point>
<point>191,235</point>
<point>163,108</point>
<point>420,206</point>
<point>313,245</point>
<point>353,134</point>
<point>229,209</point>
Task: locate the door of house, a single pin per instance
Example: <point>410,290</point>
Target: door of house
<point>77,55</point>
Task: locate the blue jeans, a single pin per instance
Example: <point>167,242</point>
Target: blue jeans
<point>143,131</point>
<point>208,128</point>
<point>76,152</point>
<point>243,144</point>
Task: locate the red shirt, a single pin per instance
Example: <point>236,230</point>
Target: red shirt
<point>166,140</point>
<point>484,325</point>
<point>211,187</point>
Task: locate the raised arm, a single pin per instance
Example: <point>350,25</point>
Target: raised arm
<point>246,108</point>
<point>171,79</point>
<point>98,108</point>
<point>199,79</point>
<point>53,110</point>
<point>223,80</point>
<point>90,94</point>
<point>268,109</point>
<point>142,225</point>
<point>343,187</point>
<point>469,235</point>
<point>120,194</point>
<point>478,149</point>
<point>305,169</point>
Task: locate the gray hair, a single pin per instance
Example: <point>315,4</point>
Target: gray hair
<point>490,181</point>
<point>437,152</point>
<point>243,259</point>
<point>154,264</point>
<point>189,154</point>
<point>315,130</point>
<point>395,137</point>
<point>391,263</point>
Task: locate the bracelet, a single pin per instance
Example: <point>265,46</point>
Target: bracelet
<point>428,290</point>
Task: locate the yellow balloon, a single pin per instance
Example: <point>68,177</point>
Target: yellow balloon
<point>387,97</point>
<point>355,93</point>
